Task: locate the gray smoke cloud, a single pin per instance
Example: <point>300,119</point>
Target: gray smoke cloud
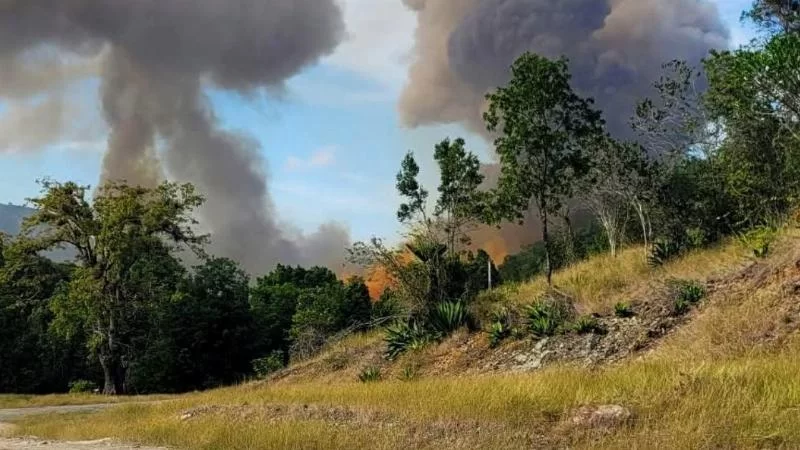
<point>155,59</point>
<point>616,47</point>
<point>464,49</point>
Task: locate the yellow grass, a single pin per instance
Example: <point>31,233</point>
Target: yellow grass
<point>30,401</point>
<point>730,378</point>
<point>598,284</point>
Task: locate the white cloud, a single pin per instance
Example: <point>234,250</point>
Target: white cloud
<point>322,157</point>
<point>380,40</point>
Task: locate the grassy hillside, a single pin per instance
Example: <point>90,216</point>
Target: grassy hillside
<point>726,375</point>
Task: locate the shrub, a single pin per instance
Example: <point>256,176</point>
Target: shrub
<point>587,325</point>
<point>547,317</point>
<point>267,365</point>
<point>405,336</point>
<point>499,328</point>
<point>370,374</point>
<point>623,310</point>
<point>409,373</point>
<point>759,240</point>
<point>447,317</point>
<point>681,307</point>
<point>387,308</point>
<point>690,291</point>
<point>82,387</point>
<point>696,237</point>
<point>663,250</point>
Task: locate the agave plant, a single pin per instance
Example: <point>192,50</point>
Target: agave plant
<point>448,317</point>
<point>404,336</point>
<point>663,250</point>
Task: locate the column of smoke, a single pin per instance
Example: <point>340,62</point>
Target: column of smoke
<point>156,58</point>
<point>464,49</point>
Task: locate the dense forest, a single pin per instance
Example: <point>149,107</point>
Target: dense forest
<point>715,152</point>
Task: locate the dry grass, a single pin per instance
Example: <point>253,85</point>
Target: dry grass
<point>30,401</point>
<point>598,284</point>
<point>730,378</point>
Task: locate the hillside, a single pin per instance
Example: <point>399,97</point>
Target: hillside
<point>725,374</point>
<point>11,217</point>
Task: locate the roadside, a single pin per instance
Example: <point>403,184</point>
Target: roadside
<point>27,443</point>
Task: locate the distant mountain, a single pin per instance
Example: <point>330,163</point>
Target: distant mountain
<point>11,217</point>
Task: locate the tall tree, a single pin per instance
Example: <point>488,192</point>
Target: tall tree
<point>775,16</point>
<point>458,205</point>
<point>543,128</point>
<point>113,235</point>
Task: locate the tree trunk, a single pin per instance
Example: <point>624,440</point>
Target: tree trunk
<point>644,222</point>
<point>111,361</point>
<point>570,247</point>
<point>548,266</point>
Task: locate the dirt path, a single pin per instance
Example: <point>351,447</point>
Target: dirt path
<point>34,443</point>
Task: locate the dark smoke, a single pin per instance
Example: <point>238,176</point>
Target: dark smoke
<point>157,58</point>
<point>464,49</point>
<point>616,49</point>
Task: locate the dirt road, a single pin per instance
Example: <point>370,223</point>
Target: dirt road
<point>39,444</point>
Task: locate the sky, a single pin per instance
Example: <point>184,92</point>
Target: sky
<point>332,141</point>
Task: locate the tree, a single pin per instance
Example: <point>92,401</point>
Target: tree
<point>614,183</point>
<point>460,199</point>
<point>32,359</point>
<point>775,16</point>
<point>113,235</point>
<point>544,128</point>
<point>206,329</point>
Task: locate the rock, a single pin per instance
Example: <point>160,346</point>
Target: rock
<point>186,416</point>
<point>603,416</point>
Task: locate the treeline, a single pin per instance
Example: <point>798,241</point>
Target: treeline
<point>128,317</point>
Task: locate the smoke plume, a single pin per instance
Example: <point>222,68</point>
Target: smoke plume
<point>155,59</point>
<point>464,49</point>
<point>616,48</point>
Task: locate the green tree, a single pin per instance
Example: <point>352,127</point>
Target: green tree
<point>543,129</point>
<point>113,236</point>
<point>206,331</point>
<point>775,16</point>
<point>32,359</point>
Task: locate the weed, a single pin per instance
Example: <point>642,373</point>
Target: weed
<point>623,310</point>
<point>587,325</point>
<point>370,375</point>
<point>82,387</point>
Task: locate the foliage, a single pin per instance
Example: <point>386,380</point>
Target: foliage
<point>543,129</point>
<point>689,291</point>
<point>587,325</point>
<point>263,367</point>
<point>387,308</point>
<point>499,327</point>
<point>370,375</point>
<point>448,317</point>
<point>117,236</point>
<point>759,240</point>
<point>404,336</point>
<point>663,250</point>
<point>82,387</point>
<point>548,316</point>
<point>623,310</point>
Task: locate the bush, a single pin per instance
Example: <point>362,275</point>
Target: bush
<point>690,292</point>
<point>587,325</point>
<point>663,250</point>
<point>404,336</point>
<point>499,328</point>
<point>696,237</point>
<point>447,317</point>
<point>547,317</point>
<point>387,308</point>
<point>267,365</point>
<point>82,387</point>
<point>623,310</point>
<point>759,240</point>
<point>370,374</point>
<point>681,307</point>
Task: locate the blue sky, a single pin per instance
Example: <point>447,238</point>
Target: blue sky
<point>332,143</point>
